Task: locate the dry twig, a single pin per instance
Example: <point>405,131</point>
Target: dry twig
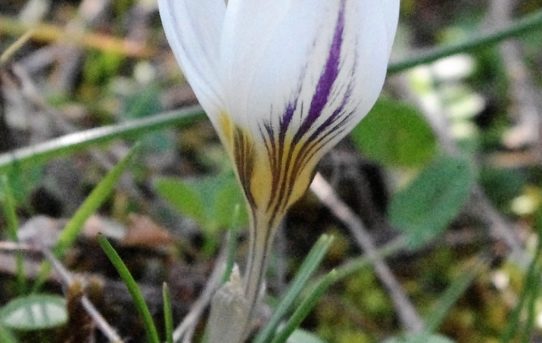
<point>405,309</point>
<point>524,97</point>
<point>67,279</point>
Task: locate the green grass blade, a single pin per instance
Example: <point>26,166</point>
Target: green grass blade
<point>305,308</point>
<point>33,155</point>
<point>534,285</point>
<point>517,28</point>
<point>91,204</point>
<point>451,295</point>
<point>135,292</point>
<point>530,288</point>
<point>356,264</point>
<point>310,264</point>
<point>168,313</point>
<point>8,207</point>
<point>12,225</point>
<point>231,242</point>
<point>74,226</point>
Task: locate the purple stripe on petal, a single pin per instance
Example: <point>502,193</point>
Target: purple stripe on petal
<point>327,79</point>
<point>286,119</point>
<point>334,116</point>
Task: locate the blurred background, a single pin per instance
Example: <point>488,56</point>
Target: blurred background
<point>449,162</point>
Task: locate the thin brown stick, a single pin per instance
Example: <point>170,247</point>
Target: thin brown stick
<point>48,33</point>
<point>67,279</point>
<point>405,309</point>
<point>524,97</point>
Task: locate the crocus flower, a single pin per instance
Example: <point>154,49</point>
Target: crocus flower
<point>282,81</point>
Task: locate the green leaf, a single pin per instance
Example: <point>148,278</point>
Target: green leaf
<point>429,203</point>
<point>183,197</point>
<point>99,67</point>
<point>143,103</point>
<point>302,336</point>
<point>502,185</point>
<point>230,200</point>
<point>419,338</point>
<point>395,134</point>
<point>210,201</point>
<point>34,312</point>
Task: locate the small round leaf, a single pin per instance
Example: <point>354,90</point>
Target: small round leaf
<point>429,203</point>
<point>395,134</point>
<point>34,312</point>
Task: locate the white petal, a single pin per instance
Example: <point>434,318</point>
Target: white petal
<point>294,59</point>
<point>193,29</point>
<point>277,61</point>
<point>248,27</point>
<point>391,16</point>
<point>376,31</point>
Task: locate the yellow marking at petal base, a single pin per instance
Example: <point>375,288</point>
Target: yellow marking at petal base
<point>271,183</point>
<point>226,126</point>
<point>261,180</point>
<point>296,181</point>
<point>302,183</point>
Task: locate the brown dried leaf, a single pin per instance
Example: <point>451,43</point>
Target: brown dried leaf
<point>144,232</point>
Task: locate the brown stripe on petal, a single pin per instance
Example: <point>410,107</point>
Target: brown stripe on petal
<point>306,157</point>
<point>244,155</point>
<point>286,183</point>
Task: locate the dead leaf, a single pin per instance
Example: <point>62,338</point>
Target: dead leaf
<point>144,232</point>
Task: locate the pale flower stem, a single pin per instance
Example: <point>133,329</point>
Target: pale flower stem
<point>261,238</point>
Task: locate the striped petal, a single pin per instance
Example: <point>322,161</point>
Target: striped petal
<point>338,51</point>
<point>193,29</point>
<point>316,76</point>
<point>282,80</point>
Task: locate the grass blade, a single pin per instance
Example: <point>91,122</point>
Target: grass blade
<point>231,242</point>
<point>33,155</point>
<point>12,225</point>
<point>310,264</point>
<point>135,292</point>
<point>305,308</point>
<point>518,28</point>
<point>74,226</point>
<point>168,313</point>
<point>450,296</point>
<point>91,204</point>
<point>530,289</point>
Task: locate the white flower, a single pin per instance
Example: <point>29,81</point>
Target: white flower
<point>282,81</point>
